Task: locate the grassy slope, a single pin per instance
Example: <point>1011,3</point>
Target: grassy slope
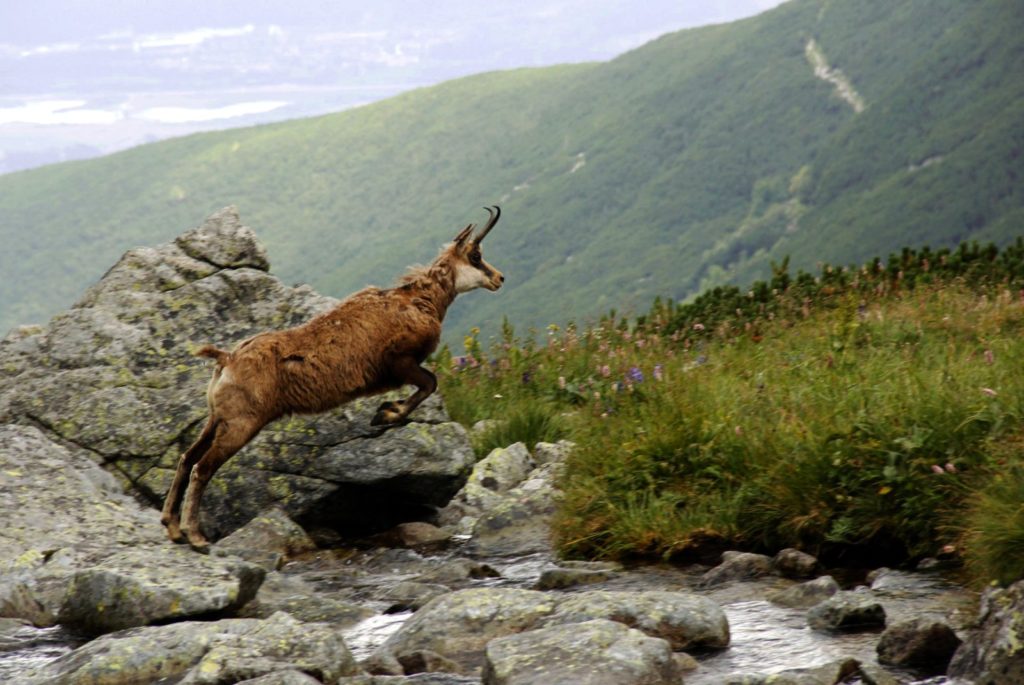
<point>875,420</point>
<point>691,143</point>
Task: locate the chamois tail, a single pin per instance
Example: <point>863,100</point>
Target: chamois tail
<point>213,353</point>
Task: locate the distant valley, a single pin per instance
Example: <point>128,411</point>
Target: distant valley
<point>825,131</point>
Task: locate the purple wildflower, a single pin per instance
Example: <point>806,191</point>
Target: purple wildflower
<point>636,375</point>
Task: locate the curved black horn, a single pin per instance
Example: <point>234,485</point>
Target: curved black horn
<point>495,213</point>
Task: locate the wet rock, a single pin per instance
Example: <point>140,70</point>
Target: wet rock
<point>792,563</point>
<point>875,675</point>
<point>994,652</point>
<point>847,611</point>
<point>299,599</point>
<point>890,580</point>
<point>267,540</point>
<point>737,566</point>
<point>455,570</point>
<point>116,373</point>
<point>831,673</point>
<point>596,652</point>
<point>278,644</point>
<point>582,565</point>
<point>417,679</point>
<point>228,650</point>
<point>411,595</point>
<point>561,578</point>
<point>458,625</point>
<point>805,595</point>
<point>922,644</point>
<point>521,522</point>
<point>684,620</point>
<point>141,586</point>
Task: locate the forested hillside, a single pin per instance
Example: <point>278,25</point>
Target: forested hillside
<point>825,130</point>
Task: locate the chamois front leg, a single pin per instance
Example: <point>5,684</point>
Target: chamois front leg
<point>410,373</point>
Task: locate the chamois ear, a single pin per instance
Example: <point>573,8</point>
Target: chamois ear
<point>464,234</point>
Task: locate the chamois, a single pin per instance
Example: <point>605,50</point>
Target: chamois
<point>373,341</point>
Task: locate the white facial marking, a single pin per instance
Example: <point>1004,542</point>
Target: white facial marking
<point>468,278</point>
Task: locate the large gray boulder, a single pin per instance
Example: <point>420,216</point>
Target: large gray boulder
<point>115,374</point>
<point>994,653</point>
<point>156,584</point>
<point>75,550</point>
<point>596,652</point>
<point>225,651</point>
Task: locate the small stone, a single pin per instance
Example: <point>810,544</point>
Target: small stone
<point>737,566</point>
<point>792,563</point>
<point>847,611</point>
<point>560,578</point>
<point>805,595</point>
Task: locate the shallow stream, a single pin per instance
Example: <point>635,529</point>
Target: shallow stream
<point>765,638</point>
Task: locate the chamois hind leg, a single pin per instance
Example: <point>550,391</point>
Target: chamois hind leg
<point>230,436</point>
<point>409,372</point>
<point>172,502</point>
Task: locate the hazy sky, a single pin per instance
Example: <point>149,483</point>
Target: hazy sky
<point>37,21</point>
<point>80,78</point>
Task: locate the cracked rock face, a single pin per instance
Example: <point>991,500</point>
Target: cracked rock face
<point>114,379</point>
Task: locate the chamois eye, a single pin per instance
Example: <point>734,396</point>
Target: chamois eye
<point>474,258</point>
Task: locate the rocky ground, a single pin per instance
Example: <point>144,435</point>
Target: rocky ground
<point>454,580</point>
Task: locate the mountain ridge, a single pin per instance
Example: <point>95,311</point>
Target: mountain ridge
<point>694,160</point>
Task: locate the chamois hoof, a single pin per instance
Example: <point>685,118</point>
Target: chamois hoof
<point>201,546</point>
<point>198,542</point>
<point>174,533</point>
<point>387,413</point>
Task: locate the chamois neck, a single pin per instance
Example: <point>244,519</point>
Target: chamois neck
<point>432,287</point>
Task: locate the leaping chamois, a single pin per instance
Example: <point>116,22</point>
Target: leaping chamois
<point>374,340</point>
